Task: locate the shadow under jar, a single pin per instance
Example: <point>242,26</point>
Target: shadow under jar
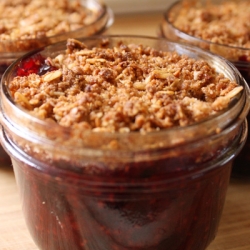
<point>33,24</point>
<point>221,27</point>
<point>118,191</point>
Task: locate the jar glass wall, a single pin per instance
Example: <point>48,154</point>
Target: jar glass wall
<point>164,189</point>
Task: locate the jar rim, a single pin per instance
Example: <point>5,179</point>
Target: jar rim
<point>28,124</point>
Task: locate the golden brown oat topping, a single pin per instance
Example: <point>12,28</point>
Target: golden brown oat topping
<point>226,22</point>
<point>32,19</point>
<point>124,88</point>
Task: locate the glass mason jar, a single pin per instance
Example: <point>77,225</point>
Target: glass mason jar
<point>10,50</point>
<point>154,191</point>
<point>239,56</point>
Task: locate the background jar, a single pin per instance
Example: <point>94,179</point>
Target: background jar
<point>79,192</point>
<point>239,56</point>
<point>10,50</point>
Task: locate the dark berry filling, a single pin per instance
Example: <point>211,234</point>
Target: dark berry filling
<point>36,64</point>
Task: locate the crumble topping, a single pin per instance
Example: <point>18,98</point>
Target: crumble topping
<point>124,88</point>
<point>225,22</point>
<point>35,19</point>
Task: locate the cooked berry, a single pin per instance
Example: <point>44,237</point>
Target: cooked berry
<point>34,65</point>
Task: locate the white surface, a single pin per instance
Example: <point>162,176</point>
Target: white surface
<point>130,6</point>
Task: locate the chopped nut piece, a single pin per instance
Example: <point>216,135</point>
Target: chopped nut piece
<point>222,101</point>
<point>22,100</point>
<point>95,60</point>
<point>50,76</point>
<point>161,74</point>
<point>139,85</point>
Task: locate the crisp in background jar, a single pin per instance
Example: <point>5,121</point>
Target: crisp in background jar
<point>159,190</point>
<point>239,56</point>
